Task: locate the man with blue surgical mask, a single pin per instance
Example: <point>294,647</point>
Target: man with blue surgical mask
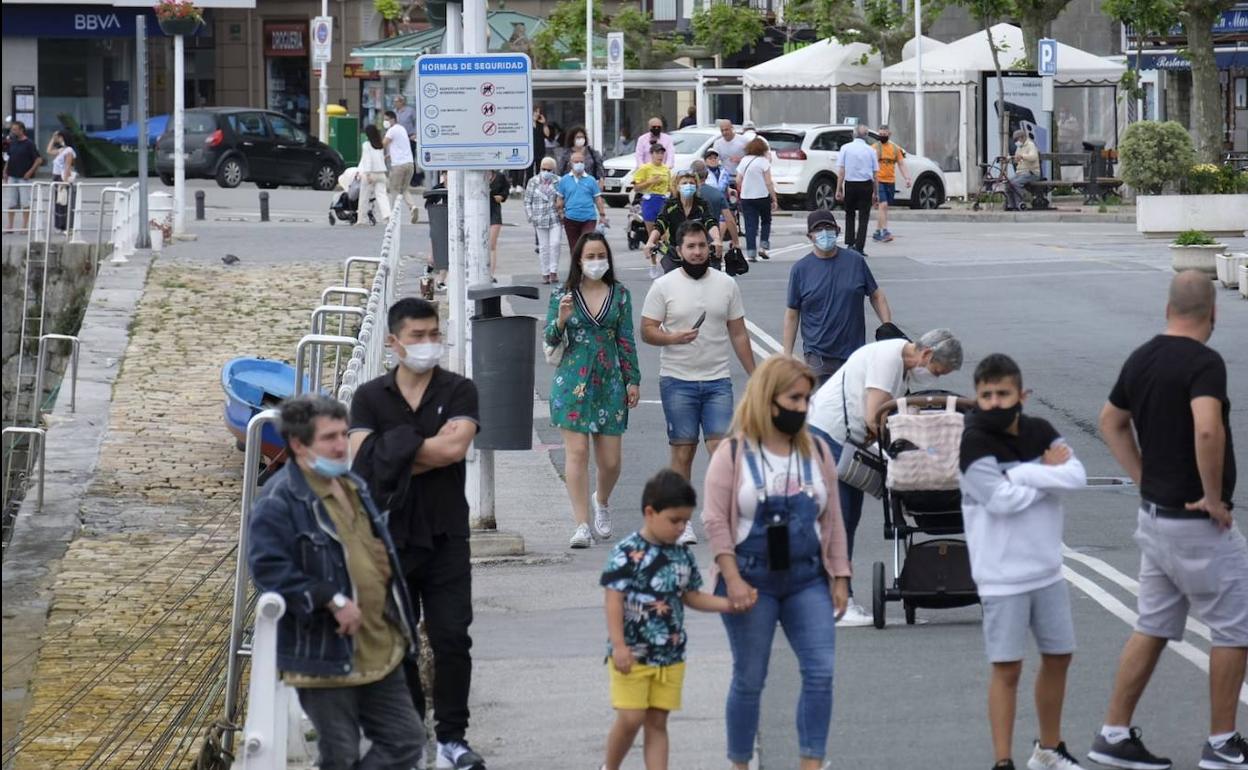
<point>349,623</point>
<point>826,290</point>
<point>410,432</point>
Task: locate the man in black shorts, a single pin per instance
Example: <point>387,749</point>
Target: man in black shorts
<point>1173,392</point>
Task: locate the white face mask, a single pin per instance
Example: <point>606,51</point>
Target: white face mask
<point>387,123</point>
<point>595,268</point>
<point>579,141</point>
<point>423,356</point>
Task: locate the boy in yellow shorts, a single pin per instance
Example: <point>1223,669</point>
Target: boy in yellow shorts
<point>649,579</point>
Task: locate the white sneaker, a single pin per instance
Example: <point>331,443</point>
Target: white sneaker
<point>458,755</point>
<point>688,537</point>
<point>656,272</point>
<point>855,616</point>
<point>581,537</point>
<point>1052,759</point>
<point>602,520</point>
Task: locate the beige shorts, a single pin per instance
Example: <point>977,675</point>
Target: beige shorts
<point>1192,565</point>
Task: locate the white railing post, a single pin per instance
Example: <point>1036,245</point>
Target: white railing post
<point>264,733</point>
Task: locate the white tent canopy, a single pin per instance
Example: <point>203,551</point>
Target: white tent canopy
<point>963,60</point>
<point>823,64</point>
<point>930,45</point>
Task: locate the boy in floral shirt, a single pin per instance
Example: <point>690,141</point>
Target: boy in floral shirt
<point>649,579</point>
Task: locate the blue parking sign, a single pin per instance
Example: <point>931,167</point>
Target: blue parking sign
<point>1047,54</point>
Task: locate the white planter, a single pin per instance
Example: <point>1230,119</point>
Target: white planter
<point>1243,281</point>
<point>1196,258</point>
<point>1228,268</point>
<point>157,238</point>
<point>1167,215</point>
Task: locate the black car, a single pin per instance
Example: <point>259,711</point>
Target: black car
<point>237,144</point>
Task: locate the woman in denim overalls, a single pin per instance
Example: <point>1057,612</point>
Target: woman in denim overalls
<point>780,548</point>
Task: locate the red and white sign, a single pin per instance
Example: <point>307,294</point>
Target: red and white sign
<point>285,38</point>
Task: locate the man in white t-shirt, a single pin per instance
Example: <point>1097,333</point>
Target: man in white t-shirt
<point>697,317</point>
<point>399,152</point>
<point>730,146</point>
<point>873,375</point>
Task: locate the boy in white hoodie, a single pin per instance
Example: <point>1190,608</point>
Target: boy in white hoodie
<point>1012,468</point>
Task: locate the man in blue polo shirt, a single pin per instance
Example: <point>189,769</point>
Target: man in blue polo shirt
<point>826,289</point>
<point>579,202</point>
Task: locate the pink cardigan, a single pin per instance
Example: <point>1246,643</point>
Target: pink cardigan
<point>720,512</point>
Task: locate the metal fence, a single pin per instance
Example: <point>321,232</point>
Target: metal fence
<point>266,733</point>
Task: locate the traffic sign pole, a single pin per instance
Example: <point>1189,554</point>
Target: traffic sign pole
<point>323,120</point>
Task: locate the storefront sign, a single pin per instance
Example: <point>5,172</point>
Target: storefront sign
<point>355,69</point>
<point>1233,23</point>
<point>73,21</point>
<point>1172,61</point>
<point>474,112</point>
<point>286,38</point>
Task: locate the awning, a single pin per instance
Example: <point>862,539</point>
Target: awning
<point>1172,60</point>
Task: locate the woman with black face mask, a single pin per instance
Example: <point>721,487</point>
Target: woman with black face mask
<point>781,552</point>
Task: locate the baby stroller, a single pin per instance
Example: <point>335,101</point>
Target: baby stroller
<point>636,230</point>
<point>920,439</point>
<point>346,204</point>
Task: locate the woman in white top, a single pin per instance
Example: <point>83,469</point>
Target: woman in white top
<point>64,159</point>
<point>757,196</point>
<point>372,170</point>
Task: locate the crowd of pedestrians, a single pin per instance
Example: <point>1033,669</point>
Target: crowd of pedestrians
<point>779,518</point>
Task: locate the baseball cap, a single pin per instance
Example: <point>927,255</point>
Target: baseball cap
<point>820,217</point>
<point>709,152</point>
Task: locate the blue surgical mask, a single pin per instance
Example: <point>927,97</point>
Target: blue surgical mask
<point>687,190</point>
<point>548,174</point>
<point>825,240</point>
<point>323,466</point>
<point>578,167</point>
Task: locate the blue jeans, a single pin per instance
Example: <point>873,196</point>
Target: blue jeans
<point>696,409</point>
<point>799,600</point>
<point>1016,186</point>
<point>756,210</point>
<point>383,710</point>
<point>851,499</point>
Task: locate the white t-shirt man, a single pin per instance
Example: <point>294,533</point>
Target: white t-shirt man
<point>676,301</point>
<point>731,151</point>
<point>400,149</point>
<point>878,365</point>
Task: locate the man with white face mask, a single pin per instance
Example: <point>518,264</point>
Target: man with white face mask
<point>826,290</point>
<point>402,163</point>
<point>410,431</point>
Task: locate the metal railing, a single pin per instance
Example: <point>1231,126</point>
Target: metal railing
<point>37,437</point>
<point>266,732</point>
<point>41,367</point>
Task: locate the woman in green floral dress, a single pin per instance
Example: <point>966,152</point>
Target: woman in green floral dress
<point>596,382</point>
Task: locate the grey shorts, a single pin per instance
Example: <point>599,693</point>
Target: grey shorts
<point>17,194</point>
<point>1045,611</point>
<point>1192,565</point>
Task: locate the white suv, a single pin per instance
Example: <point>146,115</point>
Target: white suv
<point>806,158</point>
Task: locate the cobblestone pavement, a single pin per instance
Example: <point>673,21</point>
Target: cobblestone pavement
<point>137,631</point>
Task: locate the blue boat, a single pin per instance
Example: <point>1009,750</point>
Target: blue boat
<point>252,385</point>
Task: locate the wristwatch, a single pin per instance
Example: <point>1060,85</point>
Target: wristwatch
<point>339,601</point>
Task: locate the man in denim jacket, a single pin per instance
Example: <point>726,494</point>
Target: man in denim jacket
<point>318,540</point>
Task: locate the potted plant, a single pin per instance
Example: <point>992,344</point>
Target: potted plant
<point>178,17</point>
<point>1228,268</point>
<point>1173,192</point>
<point>1195,250</point>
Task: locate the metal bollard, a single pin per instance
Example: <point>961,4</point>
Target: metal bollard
<point>199,205</point>
<point>264,207</point>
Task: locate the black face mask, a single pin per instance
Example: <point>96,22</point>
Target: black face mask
<point>997,420</point>
<point>884,139</point>
<point>695,271</point>
<point>656,130</point>
<point>788,421</point>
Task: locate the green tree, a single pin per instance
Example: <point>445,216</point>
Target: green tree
<point>1198,18</point>
<point>563,35</point>
<point>879,23</point>
<point>725,29</point>
<point>1155,155</point>
<point>1036,17</point>
<point>1146,17</point>
<point>988,13</point>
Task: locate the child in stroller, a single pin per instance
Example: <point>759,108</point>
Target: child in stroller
<point>346,204</point>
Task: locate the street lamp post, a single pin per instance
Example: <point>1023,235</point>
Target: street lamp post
<point>589,68</point>
<point>918,77</point>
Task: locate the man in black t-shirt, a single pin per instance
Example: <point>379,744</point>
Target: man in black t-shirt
<point>19,168</point>
<point>410,432</point>
<point>1172,394</point>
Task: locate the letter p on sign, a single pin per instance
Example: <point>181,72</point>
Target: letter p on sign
<point>1047,54</point>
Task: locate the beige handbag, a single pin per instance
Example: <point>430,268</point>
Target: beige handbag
<point>932,441</point>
